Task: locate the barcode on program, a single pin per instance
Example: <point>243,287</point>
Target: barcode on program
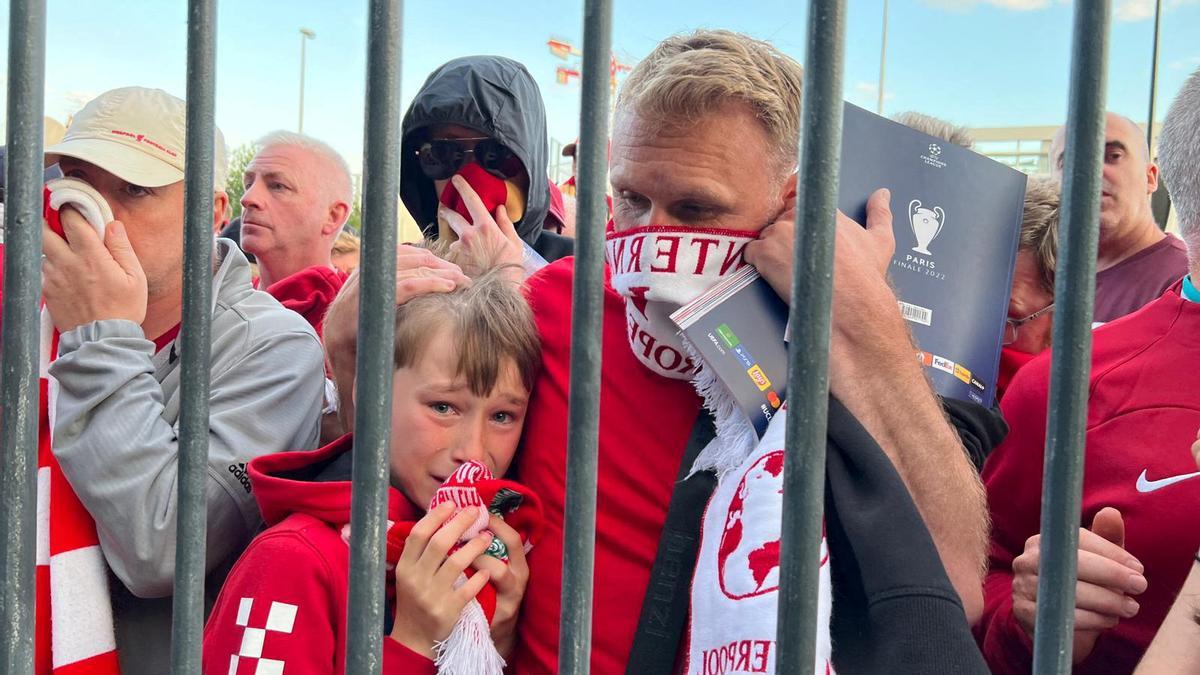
<point>921,315</point>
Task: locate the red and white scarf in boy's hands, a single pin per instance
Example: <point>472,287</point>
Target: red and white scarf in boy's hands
<point>73,619</point>
<point>469,649</point>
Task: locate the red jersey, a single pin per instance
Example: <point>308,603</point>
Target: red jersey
<point>309,292</point>
<point>645,422</point>
<point>283,606</point>
<point>1143,414</point>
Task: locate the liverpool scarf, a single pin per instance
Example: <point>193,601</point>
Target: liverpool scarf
<point>73,618</point>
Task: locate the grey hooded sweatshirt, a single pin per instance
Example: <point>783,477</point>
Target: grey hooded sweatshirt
<point>116,438</point>
<point>498,98</point>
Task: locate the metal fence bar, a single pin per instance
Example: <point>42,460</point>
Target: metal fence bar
<point>22,291</point>
<point>1071,362</point>
<point>587,302</point>
<point>376,332</point>
<point>808,352</point>
<point>195,343</point>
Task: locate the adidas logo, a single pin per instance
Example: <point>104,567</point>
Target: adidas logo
<point>239,472</point>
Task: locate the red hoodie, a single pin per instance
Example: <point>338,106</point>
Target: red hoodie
<point>283,606</point>
<point>308,292</point>
<point>1142,417</point>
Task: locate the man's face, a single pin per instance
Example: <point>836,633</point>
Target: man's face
<point>1029,297</point>
<point>153,217</point>
<point>716,172</point>
<point>1129,177</point>
<point>287,205</point>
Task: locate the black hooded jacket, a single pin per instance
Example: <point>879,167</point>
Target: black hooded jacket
<point>497,97</point>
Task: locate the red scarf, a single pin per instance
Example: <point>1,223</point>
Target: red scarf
<point>73,618</point>
<point>469,648</point>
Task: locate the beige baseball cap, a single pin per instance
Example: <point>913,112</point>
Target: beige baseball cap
<point>136,134</point>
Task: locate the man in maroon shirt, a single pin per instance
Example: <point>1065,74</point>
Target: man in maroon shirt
<point>297,200</point>
<point>702,164</point>
<point>1136,261</point>
<point>1140,510</point>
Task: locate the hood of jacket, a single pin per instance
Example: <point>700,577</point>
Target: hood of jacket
<point>316,483</point>
<point>498,98</point>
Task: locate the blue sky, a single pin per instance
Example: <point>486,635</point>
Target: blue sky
<point>974,62</point>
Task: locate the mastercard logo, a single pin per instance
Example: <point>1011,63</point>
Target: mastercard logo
<point>773,399</point>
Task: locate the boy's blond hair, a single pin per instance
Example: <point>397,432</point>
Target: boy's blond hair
<point>489,321</point>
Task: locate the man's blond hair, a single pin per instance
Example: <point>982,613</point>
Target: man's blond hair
<point>1039,227</point>
<point>489,322</point>
<point>689,76</point>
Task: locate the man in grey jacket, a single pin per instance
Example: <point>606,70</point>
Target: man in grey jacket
<point>117,303</point>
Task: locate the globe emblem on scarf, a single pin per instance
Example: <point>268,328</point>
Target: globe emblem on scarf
<point>748,556</point>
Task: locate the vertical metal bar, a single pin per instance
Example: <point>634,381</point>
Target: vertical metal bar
<point>587,302</point>
<point>187,623</point>
<point>1071,362</point>
<point>22,290</point>
<point>1153,77</point>
<point>808,353</point>
<point>376,332</point>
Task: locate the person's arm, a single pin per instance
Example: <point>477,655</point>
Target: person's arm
<point>121,456</point>
<point>1176,647</point>
<point>874,372</point>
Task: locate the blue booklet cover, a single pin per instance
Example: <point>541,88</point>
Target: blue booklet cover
<point>956,216</point>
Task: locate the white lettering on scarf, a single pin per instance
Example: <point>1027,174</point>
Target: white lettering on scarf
<point>658,269</point>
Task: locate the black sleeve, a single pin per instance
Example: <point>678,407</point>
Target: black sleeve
<point>980,429</point>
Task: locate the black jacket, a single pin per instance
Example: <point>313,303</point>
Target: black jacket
<point>894,609</point>
<point>497,97</point>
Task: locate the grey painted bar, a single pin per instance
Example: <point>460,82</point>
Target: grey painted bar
<point>1075,284</point>
<point>808,353</point>
<point>587,302</point>
<point>22,292</point>
<point>376,332</point>
<point>187,622</point>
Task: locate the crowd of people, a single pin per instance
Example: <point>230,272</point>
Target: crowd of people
<point>931,548</point>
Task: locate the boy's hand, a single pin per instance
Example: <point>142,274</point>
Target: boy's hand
<point>510,580</point>
<point>427,603</point>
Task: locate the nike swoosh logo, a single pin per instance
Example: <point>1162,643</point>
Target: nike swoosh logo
<point>1144,485</point>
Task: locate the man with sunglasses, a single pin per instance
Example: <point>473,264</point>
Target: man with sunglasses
<point>480,118</point>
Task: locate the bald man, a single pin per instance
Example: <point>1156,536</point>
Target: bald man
<point>297,200</point>
<point>1136,260</point>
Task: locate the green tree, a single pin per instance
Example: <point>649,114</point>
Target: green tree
<point>238,160</point>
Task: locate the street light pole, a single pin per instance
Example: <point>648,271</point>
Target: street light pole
<point>882,59</point>
<point>305,35</point>
<point>1153,75</point>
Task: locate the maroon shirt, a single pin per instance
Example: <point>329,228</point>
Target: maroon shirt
<point>1127,286</point>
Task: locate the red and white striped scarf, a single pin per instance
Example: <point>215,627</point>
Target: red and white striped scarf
<point>74,617</point>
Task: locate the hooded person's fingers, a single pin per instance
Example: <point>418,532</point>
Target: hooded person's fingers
<point>507,227</point>
<point>479,212</point>
<point>454,219</point>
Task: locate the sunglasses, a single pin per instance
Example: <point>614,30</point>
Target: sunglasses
<point>441,159</point>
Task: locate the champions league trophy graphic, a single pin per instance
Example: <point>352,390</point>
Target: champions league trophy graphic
<point>926,224</point>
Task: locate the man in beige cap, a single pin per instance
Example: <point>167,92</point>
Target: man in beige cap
<point>116,300</point>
